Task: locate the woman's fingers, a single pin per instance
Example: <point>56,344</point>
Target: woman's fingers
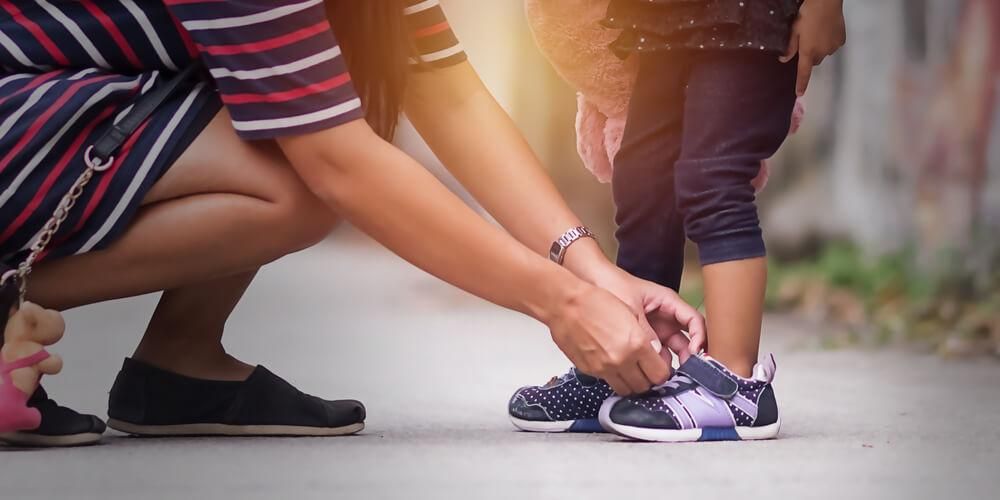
<point>636,379</point>
<point>667,355</point>
<point>690,320</point>
<point>654,367</point>
<point>680,344</point>
<point>644,368</point>
<point>606,338</point>
<point>618,385</point>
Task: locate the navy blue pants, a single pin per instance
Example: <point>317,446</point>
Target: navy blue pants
<point>699,124</point>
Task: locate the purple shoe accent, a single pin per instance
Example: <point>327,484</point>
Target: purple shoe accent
<point>696,413</point>
<point>681,416</point>
<point>745,405</point>
<point>707,410</point>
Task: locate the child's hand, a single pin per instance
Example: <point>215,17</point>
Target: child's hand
<point>818,32</point>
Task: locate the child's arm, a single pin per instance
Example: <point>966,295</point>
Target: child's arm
<point>817,33</point>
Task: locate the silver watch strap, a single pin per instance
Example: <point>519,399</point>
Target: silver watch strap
<point>557,252</point>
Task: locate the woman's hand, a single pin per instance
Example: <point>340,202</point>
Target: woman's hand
<point>668,314</point>
<point>492,160</point>
<point>604,337</point>
<point>818,32</point>
<point>396,201</point>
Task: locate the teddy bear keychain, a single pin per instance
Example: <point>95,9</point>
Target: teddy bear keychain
<point>27,329</point>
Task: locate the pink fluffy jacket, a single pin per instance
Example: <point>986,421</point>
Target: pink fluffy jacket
<point>570,35</point>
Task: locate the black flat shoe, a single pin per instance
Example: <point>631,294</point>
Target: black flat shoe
<point>60,427</point>
<point>149,401</point>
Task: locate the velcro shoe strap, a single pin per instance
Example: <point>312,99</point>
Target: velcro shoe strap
<point>709,376</point>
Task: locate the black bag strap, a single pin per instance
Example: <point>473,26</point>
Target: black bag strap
<point>104,148</point>
<point>98,157</point>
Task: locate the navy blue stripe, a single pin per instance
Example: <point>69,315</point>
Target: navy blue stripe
<point>248,33</point>
<point>274,57</point>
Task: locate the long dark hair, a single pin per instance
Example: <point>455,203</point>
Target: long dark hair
<point>377,47</point>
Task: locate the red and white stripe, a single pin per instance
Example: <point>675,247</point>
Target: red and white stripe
<point>143,171</point>
<point>255,18</point>
<point>75,31</point>
<point>150,32</point>
<point>282,69</point>
<point>96,99</point>
<point>299,120</point>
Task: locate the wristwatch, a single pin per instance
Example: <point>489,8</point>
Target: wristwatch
<point>557,252</point>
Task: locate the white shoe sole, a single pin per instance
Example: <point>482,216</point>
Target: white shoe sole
<point>233,430</point>
<point>27,439</point>
<point>533,426</point>
<point>737,433</point>
<point>582,426</point>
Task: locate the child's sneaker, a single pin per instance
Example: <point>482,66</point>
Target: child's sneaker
<point>703,401</point>
<point>568,403</point>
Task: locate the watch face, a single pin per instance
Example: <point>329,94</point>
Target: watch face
<point>555,252</point>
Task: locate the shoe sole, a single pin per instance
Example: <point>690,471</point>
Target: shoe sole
<point>738,433</point>
<point>590,425</point>
<point>197,430</point>
<point>29,440</point>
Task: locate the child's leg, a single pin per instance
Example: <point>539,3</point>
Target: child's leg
<point>737,111</point>
<point>650,229</point>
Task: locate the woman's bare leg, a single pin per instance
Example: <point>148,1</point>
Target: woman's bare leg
<point>185,333</point>
<point>225,208</point>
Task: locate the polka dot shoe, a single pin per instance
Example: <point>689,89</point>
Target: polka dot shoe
<point>703,401</point>
<point>568,403</point>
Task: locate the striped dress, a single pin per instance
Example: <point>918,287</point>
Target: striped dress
<point>68,68</point>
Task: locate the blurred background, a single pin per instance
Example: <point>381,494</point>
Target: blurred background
<point>882,213</point>
<point>881,217</point>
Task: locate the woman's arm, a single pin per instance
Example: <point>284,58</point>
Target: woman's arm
<point>391,197</point>
<point>475,139</point>
<point>479,144</point>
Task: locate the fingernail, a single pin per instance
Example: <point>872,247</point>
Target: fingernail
<point>657,345</point>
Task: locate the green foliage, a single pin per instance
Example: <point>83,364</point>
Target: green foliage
<point>948,305</point>
<point>842,266</point>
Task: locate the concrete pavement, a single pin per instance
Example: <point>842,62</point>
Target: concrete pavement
<point>435,368</point>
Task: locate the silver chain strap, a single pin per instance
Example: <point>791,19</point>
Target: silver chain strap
<point>52,226</point>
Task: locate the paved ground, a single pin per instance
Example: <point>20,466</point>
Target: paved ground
<point>436,368</point>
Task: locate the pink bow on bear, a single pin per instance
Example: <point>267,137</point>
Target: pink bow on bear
<point>569,33</point>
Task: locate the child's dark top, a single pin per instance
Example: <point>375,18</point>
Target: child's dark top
<point>652,25</point>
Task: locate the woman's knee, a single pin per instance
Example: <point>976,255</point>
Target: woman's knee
<point>300,219</point>
<point>291,217</point>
